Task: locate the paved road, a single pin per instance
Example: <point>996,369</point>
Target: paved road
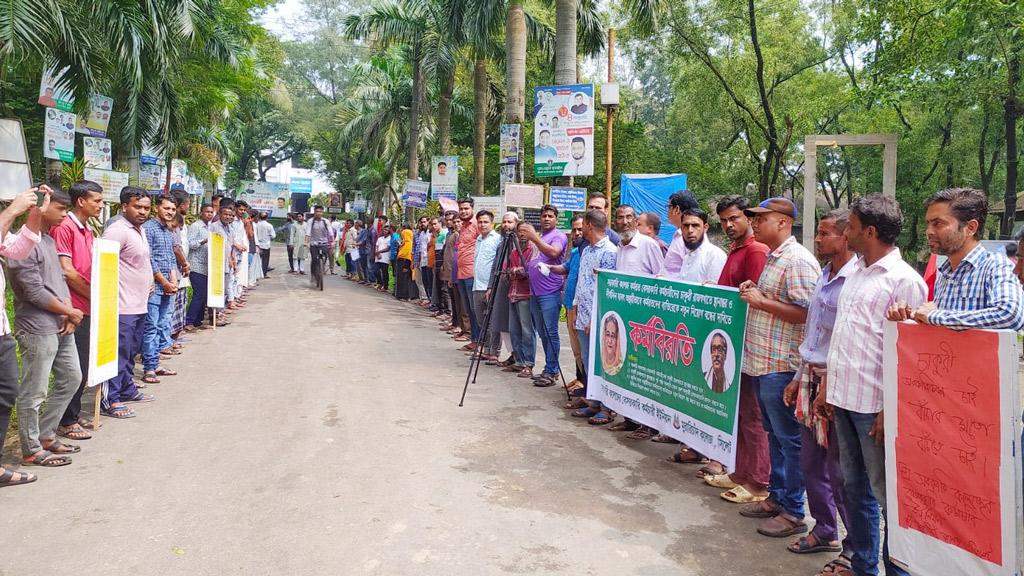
<point>320,434</point>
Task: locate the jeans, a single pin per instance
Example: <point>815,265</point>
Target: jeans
<point>153,339</point>
<point>265,260</point>
<point>130,331</point>
<point>863,465</point>
<point>544,310</point>
<point>74,409</point>
<point>786,483</point>
<point>466,293</point>
<point>349,266</point>
<point>520,326</point>
<point>8,383</point>
<point>291,257</point>
<point>366,265</point>
<point>197,307</point>
<point>40,355</point>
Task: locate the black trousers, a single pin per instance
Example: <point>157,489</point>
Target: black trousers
<point>440,295</point>
<point>382,274</point>
<point>8,383</point>
<point>427,277</point>
<point>74,409</point>
<point>403,280</point>
<point>265,260</point>
<point>291,258</point>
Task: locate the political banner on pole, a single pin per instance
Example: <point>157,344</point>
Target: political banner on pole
<point>415,193</point>
<point>96,152</point>
<point>507,174</point>
<point>179,174</point>
<point>96,120</point>
<point>151,177</point>
<point>110,180</point>
<point>953,462</point>
<point>568,199</point>
<point>60,135</point>
<point>103,311</point>
<point>215,284</point>
<point>272,197</point>
<point>669,354</point>
<point>444,177</point>
<point>563,121</point>
<point>54,93</point>
<point>509,144</point>
<point>524,195</point>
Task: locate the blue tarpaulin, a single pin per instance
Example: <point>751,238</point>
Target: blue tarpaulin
<point>649,193</point>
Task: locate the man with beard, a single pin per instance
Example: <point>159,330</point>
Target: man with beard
<point>578,163</point>
<point>691,256</point>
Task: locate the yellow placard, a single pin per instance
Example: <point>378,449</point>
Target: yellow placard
<point>103,311</point>
<point>215,285</point>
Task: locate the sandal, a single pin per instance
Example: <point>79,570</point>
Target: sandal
<point>585,412</point>
<point>544,382</point>
<point>140,398</point>
<point>73,432</point>
<point>740,495</point>
<point>663,439</point>
<point>150,377</point>
<point>720,481</point>
<point>119,412</point>
<point>712,469</point>
<point>601,418</point>
<point>804,546</point>
<point>691,457</point>
<point>165,372</point>
<point>58,447</point>
<point>624,426</point>
<point>838,567</point>
<point>7,478</point>
<point>575,404</point>
<point>171,351</point>
<point>46,459</point>
<point>526,372</point>
<point>641,433</point>
<point>781,526</point>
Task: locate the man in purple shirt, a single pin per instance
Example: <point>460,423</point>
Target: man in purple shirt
<point>546,288</point>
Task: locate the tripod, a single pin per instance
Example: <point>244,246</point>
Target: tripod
<point>508,245</point>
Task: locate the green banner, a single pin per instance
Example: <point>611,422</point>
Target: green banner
<point>669,355</point>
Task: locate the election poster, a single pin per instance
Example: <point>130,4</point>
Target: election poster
<point>215,285</point>
<point>507,174</point>
<point>524,195</point>
<point>179,174</point>
<point>267,197</point>
<point>53,96</point>
<point>668,354</point>
<point>111,181</point>
<point>97,152</point>
<point>953,461</point>
<point>103,311</point>
<point>444,177</point>
<point>509,144</point>
<point>568,199</point>
<point>151,177</point>
<point>415,194</point>
<point>563,121</point>
<point>60,135</point>
<point>96,120</point>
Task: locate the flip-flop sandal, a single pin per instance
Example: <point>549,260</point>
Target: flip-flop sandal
<point>641,433</point>
<point>663,439</point>
<point>46,459</point>
<point>165,372</point>
<point>600,419</point>
<point>575,404</point>
<point>140,398</point>
<point>803,546</point>
<point>73,432</point>
<point>585,412</point>
<point>838,567</point>
<point>720,481</point>
<point>58,447</point>
<point>150,378</point>
<point>678,458</point>
<point>119,412</point>
<point>706,471</point>
<point>544,382</point>
<point>740,495</point>
<point>7,478</point>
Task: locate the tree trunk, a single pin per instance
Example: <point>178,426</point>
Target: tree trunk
<point>1010,104</point>
<point>414,118</point>
<point>515,64</point>
<point>565,41</point>
<point>444,115</point>
<point>479,123</point>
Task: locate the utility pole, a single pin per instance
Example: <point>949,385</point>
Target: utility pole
<point>610,99</point>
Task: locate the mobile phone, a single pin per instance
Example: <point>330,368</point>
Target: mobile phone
<point>40,196</point>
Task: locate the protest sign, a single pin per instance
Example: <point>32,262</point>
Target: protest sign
<point>444,177</point>
<point>111,181</point>
<point>524,195</point>
<point>53,96</point>
<point>509,144</point>
<point>96,152</point>
<point>568,199</point>
<point>952,464</point>
<point>415,193</point>
<point>668,354</point>
<point>96,120</point>
<point>103,311</point>
<point>215,258</point>
<point>60,135</point>
<point>493,204</point>
<point>563,120</point>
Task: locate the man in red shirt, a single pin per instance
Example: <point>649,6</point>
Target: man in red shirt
<point>747,257</point>
<point>73,238</point>
<point>466,257</point>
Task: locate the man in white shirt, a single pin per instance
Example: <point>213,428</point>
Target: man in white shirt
<point>264,231</point>
<point>691,257</point>
<point>638,253</point>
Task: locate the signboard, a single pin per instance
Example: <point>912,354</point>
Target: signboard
<point>668,354</point>
<point>149,155</point>
<point>215,257</point>
<point>151,177</point>
<point>563,122</point>
<point>415,194</point>
<point>270,197</point>
<point>53,96</point>
<point>532,216</point>
<point>300,185</point>
<point>111,181</point>
<point>444,177</point>
<point>96,152</point>
<point>510,139</point>
<point>952,460</point>
<point>96,120</point>
<point>493,204</point>
<point>568,199</point>
<point>507,174</point>
<point>59,143</point>
<point>359,205</point>
<point>524,195</point>
<point>565,220</point>
<point>103,311</point>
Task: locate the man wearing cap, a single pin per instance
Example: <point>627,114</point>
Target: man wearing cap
<point>778,304</point>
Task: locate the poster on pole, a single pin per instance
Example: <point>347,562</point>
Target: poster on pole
<point>493,204</point>
<point>97,153</point>
<point>272,197</point>
<point>96,120</point>
<point>668,354</point>
<point>415,193</point>
<point>524,195</point>
<point>563,122</point>
<point>507,174</point>
<point>215,258</point>
<point>54,94</point>
<point>60,135</point>
<point>568,199</point>
<point>953,463</point>
<point>103,311</point>
<point>444,177</point>
<point>111,181</point>
<point>179,173</point>
<point>509,144</point>
<point>151,177</point>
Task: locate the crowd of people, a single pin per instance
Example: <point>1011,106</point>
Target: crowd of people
<point>810,424</point>
<point>49,265</point>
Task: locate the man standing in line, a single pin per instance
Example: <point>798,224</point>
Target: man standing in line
<point>649,224</point>
<point>438,296</point>
<point>365,243</point>
<point>546,289</point>
<point>520,319</point>
<point>571,272</point>
<point>853,387</point>
<point>45,322</point>
<point>819,447</point>
<point>350,244</point>
<point>424,274</point>
<point>487,244</point>
<point>73,239</point>
<point>778,304</point>
<point>299,234</point>
<point>224,225</point>
<point>161,246</point>
<point>466,255</point>
<point>134,284</point>
<point>198,260</point>
<point>176,321</point>
<point>597,201</point>
<point>264,237</point>
<point>336,228</point>
<point>691,257</point>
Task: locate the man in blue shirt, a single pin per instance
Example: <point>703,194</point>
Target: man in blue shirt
<point>165,277</point>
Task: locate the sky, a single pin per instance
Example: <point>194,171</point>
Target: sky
<point>282,18</point>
